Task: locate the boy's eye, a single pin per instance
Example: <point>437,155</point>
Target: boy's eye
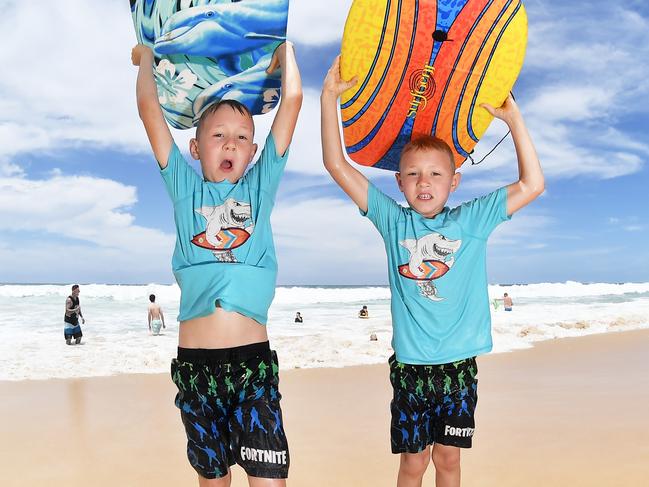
<point>243,137</point>
<point>412,174</point>
<point>218,135</point>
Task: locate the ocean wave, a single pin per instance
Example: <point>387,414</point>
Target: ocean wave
<point>117,340</point>
<point>568,289</point>
<point>327,294</point>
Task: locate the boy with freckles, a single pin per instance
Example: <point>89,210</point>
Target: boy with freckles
<point>438,282</point>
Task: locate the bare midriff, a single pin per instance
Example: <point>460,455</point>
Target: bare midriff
<point>221,329</point>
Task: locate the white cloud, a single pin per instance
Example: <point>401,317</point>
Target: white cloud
<point>8,168</point>
<point>67,77</point>
<point>569,103</point>
<point>580,77</point>
<point>83,90</point>
<point>322,240</point>
<point>92,213</point>
<point>69,82</point>
<point>628,223</point>
<point>313,22</point>
<point>566,150</point>
<point>16,137</point>
<point>306,151</point>
<point>327,241</point>
<point>523,229</point>
<point>43,261</point>
<point>634,228</point>
<point>87,95</point>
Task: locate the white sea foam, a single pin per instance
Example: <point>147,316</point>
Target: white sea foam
<point>116,339</point>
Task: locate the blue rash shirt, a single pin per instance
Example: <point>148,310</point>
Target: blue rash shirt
<point>224,244</point>
<point>438,276</point>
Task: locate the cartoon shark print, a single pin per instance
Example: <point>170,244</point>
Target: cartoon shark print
<point>222,222</point>
<point>431,257</point>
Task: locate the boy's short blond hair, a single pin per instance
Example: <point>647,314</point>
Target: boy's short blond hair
<point>424,142</point>
<point>234,104</point>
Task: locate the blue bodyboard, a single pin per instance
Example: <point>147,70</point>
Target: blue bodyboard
<point>211,50</point>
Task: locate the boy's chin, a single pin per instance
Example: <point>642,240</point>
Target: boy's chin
<point>424,208</point>
<point>232,175</point>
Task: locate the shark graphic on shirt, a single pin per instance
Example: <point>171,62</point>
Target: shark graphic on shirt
<point>232,214</point>
<point>431,256</point>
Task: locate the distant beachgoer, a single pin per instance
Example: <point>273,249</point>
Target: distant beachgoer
<point>507,302</point>
<point>373,338</point>
<point>364,313</point>
<point>156,316</point>
<point>298,317</point>
<point>72,329</point>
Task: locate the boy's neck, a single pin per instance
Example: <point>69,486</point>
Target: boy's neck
<point>432,217</point>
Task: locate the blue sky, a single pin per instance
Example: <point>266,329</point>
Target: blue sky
<point>81,199</point>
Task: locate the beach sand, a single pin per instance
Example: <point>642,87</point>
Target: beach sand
<point>570,412</point>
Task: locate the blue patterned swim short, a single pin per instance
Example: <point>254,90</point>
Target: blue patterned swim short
<point>432,404</point>
<point>230,405</point>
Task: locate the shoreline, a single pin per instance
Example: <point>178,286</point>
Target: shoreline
<point>569,411</point>
<point>281,353</point>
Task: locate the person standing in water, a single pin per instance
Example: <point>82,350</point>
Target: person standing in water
<point>507,302</point>
<point>156,316</point>
<point>72,329</point>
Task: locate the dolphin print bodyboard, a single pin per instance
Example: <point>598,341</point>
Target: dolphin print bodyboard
<point>211,50</point>
<point>424,67</point>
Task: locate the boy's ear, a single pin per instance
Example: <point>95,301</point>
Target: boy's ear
<point>254,151</point>
<point>398,176</point>
<point>193,149</point>
<point>455,182</point>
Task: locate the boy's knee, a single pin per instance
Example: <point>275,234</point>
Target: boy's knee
<point>446,458</point>
<point>221,482</point>
<point>415,464</point>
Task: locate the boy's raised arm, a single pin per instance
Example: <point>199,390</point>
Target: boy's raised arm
<point>531,182</point>
<point>148,106</point>
<point>291,101</point>
<point>352,181</point>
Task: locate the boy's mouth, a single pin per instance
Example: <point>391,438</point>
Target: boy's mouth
<point>424,196</point>
<point>226,165</point>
